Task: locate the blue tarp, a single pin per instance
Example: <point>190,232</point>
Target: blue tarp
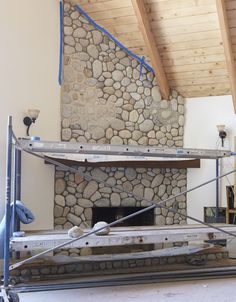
<point>24,215</point>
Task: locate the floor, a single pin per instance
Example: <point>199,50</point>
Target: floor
<point>217,290</point>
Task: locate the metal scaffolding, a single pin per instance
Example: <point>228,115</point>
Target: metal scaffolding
<point>43,149</point>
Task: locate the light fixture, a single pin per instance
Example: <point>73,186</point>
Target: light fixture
<point>31,118</point>
<point>222,133</point>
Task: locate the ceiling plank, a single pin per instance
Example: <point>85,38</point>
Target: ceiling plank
<point>227,43</point>
<point>142,17</point>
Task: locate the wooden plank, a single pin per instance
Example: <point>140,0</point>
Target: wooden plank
<point>192,52</point>
<point>134,43</point>
<point>232,23</point>
<point>112,13</point>
<point>189,20</point>
<point>194,67</point>
<point>204,93</point>
<point>183,29</point>
<point>207,89</point>
<point>129,36</point>
<point>232,31</point>
<point>100,6</point>
<point>196,74</point>
<point>122,28</point>
<point>153,53</point>
<point>229,57</point>
<point>190,45</point>
<point>211,34</point>
<point>198,81</point>
<point>203,87</point>
<point>179,4</point>
<point>194,60</point>
<point>141,51</point>
<point>230,5</point>
<point>122,20</point>
<point>158,14</point>
<point>231,14</point>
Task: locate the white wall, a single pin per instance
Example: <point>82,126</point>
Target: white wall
<point>29,31</point>
<point>202,116</point>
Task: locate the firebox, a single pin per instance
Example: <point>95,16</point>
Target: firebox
<point>110,214</point>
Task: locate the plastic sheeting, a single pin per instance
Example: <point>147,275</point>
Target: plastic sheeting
<point>24,215</point>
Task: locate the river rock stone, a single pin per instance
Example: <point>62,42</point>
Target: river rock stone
<point>117,75</point>
<point>117,124</point>
<point>99,174</point>
<point>115,200</point>
<point>60,186</point>
<point>90,189</point>
<point>85,203</point>
<point>97,69</point>
<point>130,173</point>
<point>97,37</point>
<point>146,126</point>
<point>70,200</point>
<point>79,33</point>
<point>116,140</point>
<point>75,220</point>
<point>58,211</point>
<point>60,200</point>
<point>92,51</point>
<point>156,95</point>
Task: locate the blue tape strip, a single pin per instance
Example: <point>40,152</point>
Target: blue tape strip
<point>61,44</point>
<point>149,68</point>
<point>141,67</point>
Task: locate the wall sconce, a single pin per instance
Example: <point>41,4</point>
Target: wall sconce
<point>31,118</point>
<point>222,133</point>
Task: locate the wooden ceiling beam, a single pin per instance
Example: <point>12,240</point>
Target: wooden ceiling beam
<point>149,39</point>
<point>226,38</point>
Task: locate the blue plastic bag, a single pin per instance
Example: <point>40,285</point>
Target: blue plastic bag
<point>24,215</point>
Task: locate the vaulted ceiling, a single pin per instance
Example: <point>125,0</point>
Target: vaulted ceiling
<point>195,39</point>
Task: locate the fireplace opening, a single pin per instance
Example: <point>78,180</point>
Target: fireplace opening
<point>110,214</point>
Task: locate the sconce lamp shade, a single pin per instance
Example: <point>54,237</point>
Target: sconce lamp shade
<point>33,113</point>
<point>221,127</point>
<point>222,133</point>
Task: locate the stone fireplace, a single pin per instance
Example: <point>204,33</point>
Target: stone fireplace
<point>108,98</point>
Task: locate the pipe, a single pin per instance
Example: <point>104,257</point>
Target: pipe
<point>7,204</point>
<point>217,190</point>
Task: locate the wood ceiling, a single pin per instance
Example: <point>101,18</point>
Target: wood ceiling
<point>187,34</point>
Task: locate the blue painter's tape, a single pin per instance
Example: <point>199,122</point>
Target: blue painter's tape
<point>61,44</point>
<point>35,138</point>
<point>18,234</point>
<point>149,68</point>
<point>141,67</point>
